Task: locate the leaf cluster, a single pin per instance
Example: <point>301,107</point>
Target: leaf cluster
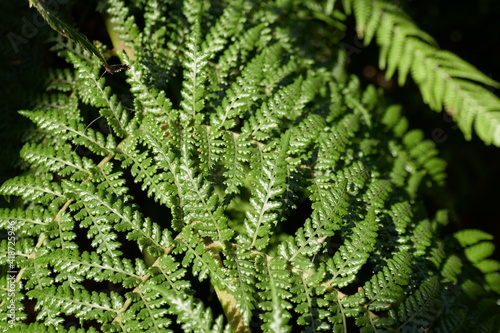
<point>234,180</point>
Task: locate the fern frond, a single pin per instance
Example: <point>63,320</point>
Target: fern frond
<point>92,306</point>
<point>68,126</point>
<point>420,309</point>
<point>286,105</point>
<point>193,92</point>
<point>311,304</point>
<point>421,238</point>
<point>239,155</point>
<point>334,142</point>
<point>488,266</point>
<point>203,263</point>
<point>469,237</point>
<point>354,253</point>
<point>228,24</point>
<point>95,266</point>
<point>241,266</point>
<point>190,314</point>
<point>451,268</point>
<point>392,120</point>
<point>377,193</point>
<point>34,189</point>
<point>63,161</point>
<point>247,89</point>
<point>209,151</point>
<point>424,153</point>
<point>401,214</point>
<point>355,175</point>
<point>202,211</point>
<point>92,91</point>
<point>445,80</point>
<point>479,251</point>
<point>124,23</point>
<point>238,51</point>
<point>149,100</point>
<point>303,136</point>
<point>386,288</point>
<point>270,114</point>
<point>273,291</point>
<point>101,210</point>
<point>150,170</point>
<point>29,222</point>
<point>330,205</point>
<point>236,161</point>
<point>60,80</point>
<point>43,328</point>
<point>270,184</point>
<point>145,310</point>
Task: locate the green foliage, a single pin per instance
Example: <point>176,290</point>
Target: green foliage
<point>236,179</point>
<point>445,81</point>
<point>477,250</point>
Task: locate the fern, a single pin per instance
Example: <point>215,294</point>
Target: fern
<point>386,288</point>
<point>420,309</point>
<point>234,179</point>
<point>445,80</point>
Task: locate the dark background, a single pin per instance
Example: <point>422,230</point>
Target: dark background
<point>468,28</point>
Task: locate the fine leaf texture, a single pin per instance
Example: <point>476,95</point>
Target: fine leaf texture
<point>236,178</point>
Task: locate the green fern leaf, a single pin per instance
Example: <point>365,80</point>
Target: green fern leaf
<point>242,267</point>
<point>445,80</point>
<point>191,315</point>
<point>202,211</point>
<point>354,253</point>
<point>469,237</point>
<point>193,86</point>
<point>477,252</point>
<point>91,306</point>
<point>421,308</point>
<point>68,126</point>
<point>311,304</point>
<point>36,190</point>
<point>63,161</point>
<point>237,177</point>
<point>236,161</point>
<point>270,185</point>
<point>273,285</point>
<point>386,288</point>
